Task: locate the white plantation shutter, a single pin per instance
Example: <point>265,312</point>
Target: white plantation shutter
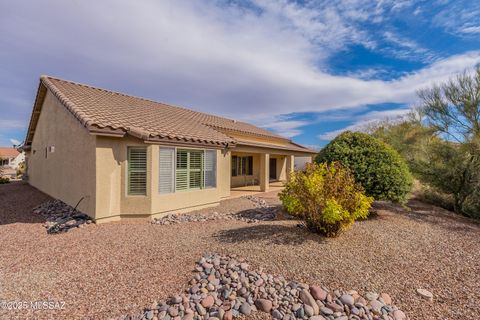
<point>210,168</point>
<point>166,170</point>
<point>189,170</point>
<point>137,171</point>
<point>181,178</point>
<point>195,169</point>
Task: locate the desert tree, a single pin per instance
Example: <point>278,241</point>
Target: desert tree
<point>452,163</point>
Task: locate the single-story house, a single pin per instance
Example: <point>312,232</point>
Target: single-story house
<point>10,159</point>
<point>130,157</point>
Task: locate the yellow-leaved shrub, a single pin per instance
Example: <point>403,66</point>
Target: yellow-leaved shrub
<point>326,197</point>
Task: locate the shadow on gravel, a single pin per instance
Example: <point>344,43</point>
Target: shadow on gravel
<point>426,213</point>
<point>17,199</point>
<point>269,233</point>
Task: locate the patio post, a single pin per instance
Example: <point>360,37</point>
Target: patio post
<point>290,165</point>
<point>264,172</point>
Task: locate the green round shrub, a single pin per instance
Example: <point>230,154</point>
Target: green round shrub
<point>376,166</point>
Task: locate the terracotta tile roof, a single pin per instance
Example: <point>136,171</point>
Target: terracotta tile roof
<point>6,152</point>
<point>114,113</point>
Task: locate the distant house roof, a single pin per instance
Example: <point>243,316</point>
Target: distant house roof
<point>6,152</point>
<point>111,113</point>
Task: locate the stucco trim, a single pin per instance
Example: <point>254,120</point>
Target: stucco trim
<point>293,148</point>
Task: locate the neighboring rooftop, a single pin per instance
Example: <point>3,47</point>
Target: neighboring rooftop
<point>106,112</point>
<point>8,152</point>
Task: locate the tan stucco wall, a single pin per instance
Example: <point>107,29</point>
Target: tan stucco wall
<point>111,164</point>
<point>224,165</point>
<point>113,201</point>
<point>258,139</point>
<point>68,173</point>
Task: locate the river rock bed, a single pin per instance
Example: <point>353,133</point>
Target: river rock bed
<point>261,212</point>
<point>60,217</point>
<point>225,287</point>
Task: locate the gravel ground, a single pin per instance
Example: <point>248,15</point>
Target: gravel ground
<point>104,271</point>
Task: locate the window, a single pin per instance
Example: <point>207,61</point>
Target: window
<point>189,170</point>
<point>234,166</point>
<point>249,167</point>
<point>182,169</point>
<point>242,166</point>
<point>137,171</point>
<point>166,180</point>
<point>210,168</point>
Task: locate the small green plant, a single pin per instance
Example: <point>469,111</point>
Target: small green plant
<point>4,180</point>
<point>375,165</point>
<point>326,197</point>
<point>21,169</point>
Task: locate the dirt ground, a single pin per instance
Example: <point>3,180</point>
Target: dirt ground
<point>104,271</point>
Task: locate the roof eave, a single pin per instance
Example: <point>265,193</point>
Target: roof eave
<point>106,132</point>
<point>190,142</point>
<point>37,108</point>
<point>300,149</point>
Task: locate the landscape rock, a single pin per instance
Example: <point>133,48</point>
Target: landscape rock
<point>264,305</point>
<point>318,293</point>
<point>245,308</point>
<point>399,315</point>
<point>60,217</point>
<point>386,298</point>
<point>307,299</point>
<point>425,294</point>
<point>228,315</point>
<point>326,311</point>
<point>347,299</point>
<point>261,212</point>
<point>309,310</point>
<point>376,306</point>
<point>224,288</point>
<point>371,296</point>
<point>208,302</point>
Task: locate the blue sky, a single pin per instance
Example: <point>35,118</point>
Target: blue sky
<point>305,69</point>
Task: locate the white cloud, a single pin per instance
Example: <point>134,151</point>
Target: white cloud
<point>366,121</point>
<point>286,128</point>
<point>405,48</point>
<point>11,124</point>
<point>458,17</point>
<point>15,142</point>
<point>470,29</point>
<point>212,56</point>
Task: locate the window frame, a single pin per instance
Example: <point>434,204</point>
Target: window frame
<point>172,174</point>
<point>189,170</point>
<point>127,172</point>
<point>215,171</point>
<point>242,166</point>
<point>202,170</point>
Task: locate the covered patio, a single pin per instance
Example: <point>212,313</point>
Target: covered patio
<point>238,192</point>
<point>259,167</point>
